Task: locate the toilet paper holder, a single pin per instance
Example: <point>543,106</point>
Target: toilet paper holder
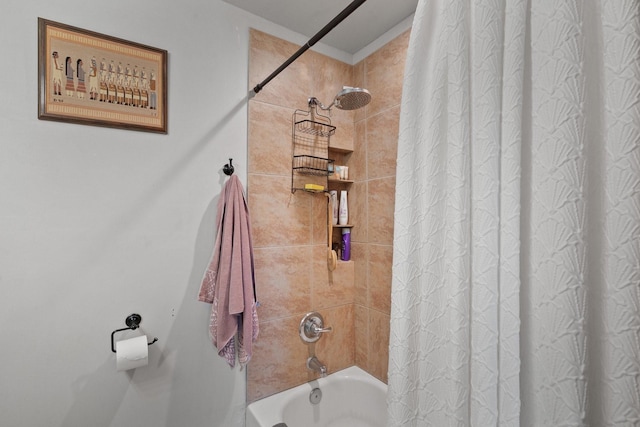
<point>133,322</point>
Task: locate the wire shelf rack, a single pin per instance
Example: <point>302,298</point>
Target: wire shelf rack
<point>311,127</point>
<point>311,133</point>
<point>312,165</point>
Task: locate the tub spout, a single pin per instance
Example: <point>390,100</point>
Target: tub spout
<point>313,364</point>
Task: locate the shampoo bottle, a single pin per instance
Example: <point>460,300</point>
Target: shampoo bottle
<point>343,216</point>
<point>346,244</point>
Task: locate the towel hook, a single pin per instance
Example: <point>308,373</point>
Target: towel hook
<point>133,322</point>
<point>228,168</point>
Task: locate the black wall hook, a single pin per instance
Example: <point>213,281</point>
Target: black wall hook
<point>228,168</point>
<point>133,322</point>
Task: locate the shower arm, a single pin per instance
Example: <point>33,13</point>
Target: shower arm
<point>323,32</point>
<point>315,102</point>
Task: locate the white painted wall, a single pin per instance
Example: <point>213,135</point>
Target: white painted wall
<point>98,223</point>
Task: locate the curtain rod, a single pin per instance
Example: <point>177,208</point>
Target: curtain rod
<point>330,26</point>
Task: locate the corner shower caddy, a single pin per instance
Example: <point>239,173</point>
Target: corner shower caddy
<point>311,133</point>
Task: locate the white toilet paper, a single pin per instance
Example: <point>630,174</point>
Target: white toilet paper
<point>132,353</point>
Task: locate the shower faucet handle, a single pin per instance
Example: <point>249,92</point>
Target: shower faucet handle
<point>312,327</point>
<point>319,330</point>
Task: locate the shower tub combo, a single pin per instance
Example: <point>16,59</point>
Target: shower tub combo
<point>347,398</point>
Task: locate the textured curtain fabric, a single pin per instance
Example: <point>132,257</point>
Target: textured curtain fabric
<point>516,275</point>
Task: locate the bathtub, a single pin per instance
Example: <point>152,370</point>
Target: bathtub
<point>350,398</point>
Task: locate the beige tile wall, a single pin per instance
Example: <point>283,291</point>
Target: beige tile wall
<point>374,160</point>
<point>289,230</point>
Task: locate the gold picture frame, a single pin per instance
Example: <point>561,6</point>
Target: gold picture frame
<point>89,78</point>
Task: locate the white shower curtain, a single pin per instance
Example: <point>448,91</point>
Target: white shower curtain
<point>516,273</point>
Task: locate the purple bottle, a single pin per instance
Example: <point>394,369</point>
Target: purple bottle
<point>346,244</point>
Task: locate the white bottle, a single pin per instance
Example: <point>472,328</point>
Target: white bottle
<point>334,203</point>
<point>343,215</point>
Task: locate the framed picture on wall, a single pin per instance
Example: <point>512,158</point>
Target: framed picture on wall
<point>94,79</point>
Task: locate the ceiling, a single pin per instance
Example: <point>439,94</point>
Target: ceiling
<point>368,22</point>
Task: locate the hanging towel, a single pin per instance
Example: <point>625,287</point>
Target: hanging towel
<point>229,282</point>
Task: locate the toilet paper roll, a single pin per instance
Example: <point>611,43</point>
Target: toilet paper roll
<point>132,353</point>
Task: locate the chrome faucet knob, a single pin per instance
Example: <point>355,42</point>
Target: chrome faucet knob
<point>312,327</point>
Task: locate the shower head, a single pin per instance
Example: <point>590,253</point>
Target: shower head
<point>352,98</point>
<point>349,98</point>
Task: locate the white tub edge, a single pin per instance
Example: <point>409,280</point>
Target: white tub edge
<point>265,410</point>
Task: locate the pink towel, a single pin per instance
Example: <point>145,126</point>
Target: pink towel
<point>229,283</point>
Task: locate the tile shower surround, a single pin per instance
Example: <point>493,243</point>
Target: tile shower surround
<point>289,230</point>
